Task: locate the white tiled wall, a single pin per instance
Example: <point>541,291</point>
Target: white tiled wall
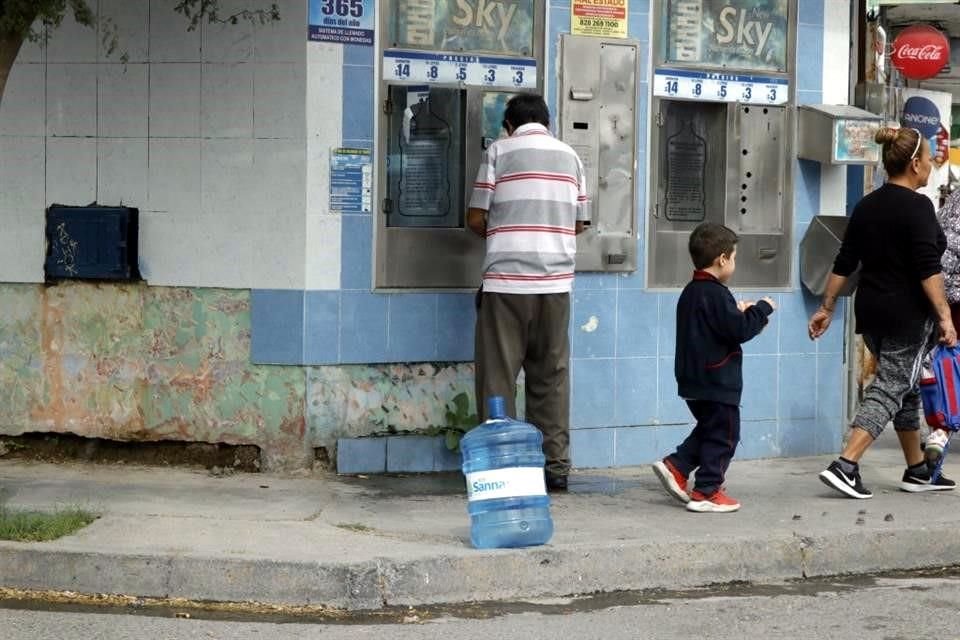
<point>205,132</point>
<point>836,89</point>
<point>324,107</point>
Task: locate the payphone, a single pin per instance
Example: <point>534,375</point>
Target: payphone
<point>723,163</point>
<point>447,71</point>
<point>721,143</point>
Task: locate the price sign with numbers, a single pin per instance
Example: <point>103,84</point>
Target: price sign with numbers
<point>452,68</point>
<point>343,21</point>
<point>720,87</point>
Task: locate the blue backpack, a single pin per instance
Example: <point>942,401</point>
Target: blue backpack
<point>940,395</point>
<point>940,389</point>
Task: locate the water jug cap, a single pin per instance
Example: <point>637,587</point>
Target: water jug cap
<point>496,408</point>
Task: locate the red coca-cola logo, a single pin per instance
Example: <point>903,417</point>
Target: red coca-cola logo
<point>927,52</point>
<point>920,51</point>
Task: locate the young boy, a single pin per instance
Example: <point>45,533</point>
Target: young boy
<point>711,326</point>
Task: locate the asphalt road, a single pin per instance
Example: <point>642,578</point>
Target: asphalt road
<point>887,608</point>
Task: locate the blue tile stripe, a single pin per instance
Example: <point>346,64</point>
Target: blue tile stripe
<point>359,327</point>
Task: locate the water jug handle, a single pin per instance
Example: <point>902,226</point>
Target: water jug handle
<point>496,408</point>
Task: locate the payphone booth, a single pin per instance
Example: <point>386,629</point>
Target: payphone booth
<point>721,142</point>
<point>447,71</point>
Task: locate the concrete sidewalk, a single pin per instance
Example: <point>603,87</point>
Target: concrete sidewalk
<point>367,543</point>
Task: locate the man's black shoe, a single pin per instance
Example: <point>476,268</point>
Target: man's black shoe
<point>556,482</point>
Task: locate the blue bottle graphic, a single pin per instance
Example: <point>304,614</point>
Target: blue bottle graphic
<point>506,493</point>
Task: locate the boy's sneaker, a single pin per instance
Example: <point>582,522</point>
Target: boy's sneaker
<point>919,483</point>
<point>849,485</point>
<point>935,443</point>
<point>672,480</point>
<point>719,502</point>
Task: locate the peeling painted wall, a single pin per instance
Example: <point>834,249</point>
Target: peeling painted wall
<point>357,400</point>
<point>139,363</point>
<point>131,362</point>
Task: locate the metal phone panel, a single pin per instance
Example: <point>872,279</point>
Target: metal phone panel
<point>762,260</point>
<point>453,259</point>
<point>760,158</point>
<point>598,103</point>
<point>757,167</point>
<point>689,183</point>
<point>579,102</point>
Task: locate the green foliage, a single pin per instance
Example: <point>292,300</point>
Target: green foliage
<point>38,526</point>
<point>198,11</point>
<point>459,421</point>
<point>35,19</point>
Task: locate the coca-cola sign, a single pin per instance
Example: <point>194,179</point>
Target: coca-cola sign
<point>920,51</point>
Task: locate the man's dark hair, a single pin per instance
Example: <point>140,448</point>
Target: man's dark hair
<point>526,108</point>
<point>708,242</point>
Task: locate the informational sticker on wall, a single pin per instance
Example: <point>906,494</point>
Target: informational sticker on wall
<point>351,180</point>
<point>604,18</point>
<point>720,87</point>
<point>453,68</point>
<point>854,141</point>
<point>343,21</point>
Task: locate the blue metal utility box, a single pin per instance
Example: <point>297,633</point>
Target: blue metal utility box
<point>92,242</point>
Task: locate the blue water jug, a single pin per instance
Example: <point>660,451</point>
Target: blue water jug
<point>506,493</point>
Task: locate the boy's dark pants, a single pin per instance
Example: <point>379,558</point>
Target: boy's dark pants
<point>710,446</point>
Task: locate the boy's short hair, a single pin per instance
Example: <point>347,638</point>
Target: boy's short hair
<point>709,241</point>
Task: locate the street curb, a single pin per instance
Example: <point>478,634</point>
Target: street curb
<point>483,575</point>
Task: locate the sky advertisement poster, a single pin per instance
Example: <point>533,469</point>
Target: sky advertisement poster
<point>342,21</point>
<point>731,34</point>
<point>478,26</point>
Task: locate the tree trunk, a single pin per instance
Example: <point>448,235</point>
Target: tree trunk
<point>9,47</point>
<point>11,40</point>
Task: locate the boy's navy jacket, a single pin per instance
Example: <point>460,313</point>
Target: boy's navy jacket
<point>710,329</point>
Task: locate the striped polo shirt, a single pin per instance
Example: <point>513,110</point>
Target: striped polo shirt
<point>533,189</point>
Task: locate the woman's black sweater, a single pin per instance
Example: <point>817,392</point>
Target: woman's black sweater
<point>894,235</point>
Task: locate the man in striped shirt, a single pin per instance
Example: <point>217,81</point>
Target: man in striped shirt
<point>529,202</point>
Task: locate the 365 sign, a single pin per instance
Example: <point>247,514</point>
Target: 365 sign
<point>920,51</point>
<point>343,21</point>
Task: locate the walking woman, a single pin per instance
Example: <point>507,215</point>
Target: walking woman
<point>900,308</point>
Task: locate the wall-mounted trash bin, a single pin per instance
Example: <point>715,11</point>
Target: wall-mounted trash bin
<point>837,134</point>
<point>818,249</point>
<point>92,242</point>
